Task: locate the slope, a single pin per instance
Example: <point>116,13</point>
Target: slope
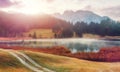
<point>56,63</point>
<point>66,64</point>
<point>8,63</point>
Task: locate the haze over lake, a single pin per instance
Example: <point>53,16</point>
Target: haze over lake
<point>75,44</point>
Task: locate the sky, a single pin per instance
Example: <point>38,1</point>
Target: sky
<point>109,8</point>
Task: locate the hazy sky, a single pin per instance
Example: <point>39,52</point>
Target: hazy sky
<point>102,7</point>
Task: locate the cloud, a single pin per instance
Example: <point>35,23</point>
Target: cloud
<point>7,3</point>
<point>88,7</point>
<point>49,1</point>
<point>112,11</point>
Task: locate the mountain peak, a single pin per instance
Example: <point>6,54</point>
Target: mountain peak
<point>79,11</point>
<point>68,12</point>
<point>79,16</point>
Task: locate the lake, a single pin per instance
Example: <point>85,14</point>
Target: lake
<point>74,44</point>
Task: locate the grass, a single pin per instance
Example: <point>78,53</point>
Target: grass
<point>57,63</point>
<point>66,64</point>
<point>49,61</point>
<point>41,33</point>
<point>9,63</point>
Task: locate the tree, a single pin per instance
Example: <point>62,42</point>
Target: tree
<point>66,33</point>
<point>30,35</point>
<point>34,35</point>
<point>80,28</point>
<point>64,30</point>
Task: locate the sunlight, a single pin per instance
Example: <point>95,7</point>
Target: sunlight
<point>30,7</point>
<point>33,7</point>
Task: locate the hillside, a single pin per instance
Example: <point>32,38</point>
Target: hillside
<point>55,63</point>
<point>8,63</point>
<point>12,25</point>
<point>28,21</point>
<point>66,64</point>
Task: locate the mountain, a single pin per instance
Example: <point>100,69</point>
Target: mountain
<point>80,15</point>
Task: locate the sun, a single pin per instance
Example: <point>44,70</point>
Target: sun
<point>33,7</point>
<point>30,7</point>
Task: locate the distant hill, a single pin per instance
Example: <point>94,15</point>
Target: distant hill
<point>80,15</point>
<point>16,23</point>
<point>29,21</point>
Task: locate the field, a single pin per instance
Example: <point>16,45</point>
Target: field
<point>67,64</point>
<point>40,33</point>
<point>8,63</point>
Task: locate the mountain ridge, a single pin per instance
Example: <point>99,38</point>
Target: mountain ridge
<point>80,15</point>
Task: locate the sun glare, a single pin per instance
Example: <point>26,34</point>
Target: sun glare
<point>30,7</point>
<point>33,7</point>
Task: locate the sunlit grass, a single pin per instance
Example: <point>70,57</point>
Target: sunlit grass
<point>66,64</point>
<point>8,63</point>
<point>56,63</point>
<point>12,69</point>
<point>41,33</point>
<point>49,61</point>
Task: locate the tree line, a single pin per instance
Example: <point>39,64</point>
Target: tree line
<point>104,28</point>
<point>8,30</point>
<point>65,29</point>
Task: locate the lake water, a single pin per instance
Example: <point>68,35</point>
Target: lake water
<point>75,45</point>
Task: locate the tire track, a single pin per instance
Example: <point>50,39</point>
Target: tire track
<point>27,61</point>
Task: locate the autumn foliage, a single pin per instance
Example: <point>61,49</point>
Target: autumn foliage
<point>104,55</point>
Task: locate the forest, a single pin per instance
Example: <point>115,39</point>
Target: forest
<point>60,28</point>
<point>104,28</point>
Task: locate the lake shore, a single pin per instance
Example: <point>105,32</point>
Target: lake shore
<point>104,55</point>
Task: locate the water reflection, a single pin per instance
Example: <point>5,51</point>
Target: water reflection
<point>75,45</point>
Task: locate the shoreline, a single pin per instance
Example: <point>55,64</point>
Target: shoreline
<point>104,55</point>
